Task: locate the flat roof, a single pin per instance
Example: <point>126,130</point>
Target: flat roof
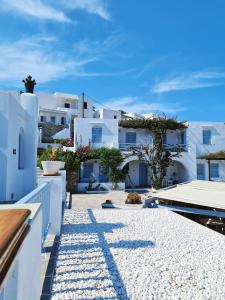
<point>198,192</point>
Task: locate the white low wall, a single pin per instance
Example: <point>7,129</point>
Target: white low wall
<point>57,196</point>
<point>107,185</point>
<point>23,279</point>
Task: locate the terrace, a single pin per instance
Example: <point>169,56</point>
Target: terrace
<point>110,253</point>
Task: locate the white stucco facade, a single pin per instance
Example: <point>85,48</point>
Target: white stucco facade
<point>61,108</point>
<point>18,144</point>
<point>198,139</point>
<point>83,132</point>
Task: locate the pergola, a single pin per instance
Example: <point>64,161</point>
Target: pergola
<point>213,156</point>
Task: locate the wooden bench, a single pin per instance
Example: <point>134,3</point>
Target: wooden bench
<point>13,230</point>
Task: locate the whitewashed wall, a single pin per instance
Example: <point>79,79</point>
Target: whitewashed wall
<point>17,115</point>
<point>83,131</point>
<point>143,136</point>
<point>194,136</point>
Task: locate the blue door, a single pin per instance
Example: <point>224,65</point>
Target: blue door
<point>87,172</point>
<point>103,174</point>
<point>143,174</point>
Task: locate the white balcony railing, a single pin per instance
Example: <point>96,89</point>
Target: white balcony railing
<point>176,147</point>
<point>40,195</point>
<point>169,147</point>
<point>128,146</point>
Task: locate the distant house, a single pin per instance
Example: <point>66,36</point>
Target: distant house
<point>18,144</point>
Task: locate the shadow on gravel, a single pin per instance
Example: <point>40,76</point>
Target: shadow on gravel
<point>112,267</point>
<point>84,252</point>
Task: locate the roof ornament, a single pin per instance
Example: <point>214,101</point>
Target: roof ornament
<point>29,84</point>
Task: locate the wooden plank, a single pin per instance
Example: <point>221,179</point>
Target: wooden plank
<point>11,221</point>
<point>13,230</point>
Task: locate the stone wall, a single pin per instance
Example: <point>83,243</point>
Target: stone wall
<point>48,130</point>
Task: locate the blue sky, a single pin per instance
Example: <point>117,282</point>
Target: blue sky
<point>141,56</point>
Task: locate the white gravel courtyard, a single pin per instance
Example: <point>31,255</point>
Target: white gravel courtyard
<point>138,254</point>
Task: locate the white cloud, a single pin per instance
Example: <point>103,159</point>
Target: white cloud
<point>192,80</point>
<point>39,57</point>
<point>35,8</point>
<point>137,105</point>
<point>55,10</point>
<point>97,7</point>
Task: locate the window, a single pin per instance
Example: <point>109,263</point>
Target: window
<point>130,137</point>
<point>207,139</point>
<point>96,135</point>
<point>53,119</point>
<point>85,105</point>
<point>43,119</point>
<point>200,171</point>
<point>67,105</point>
<point>63,120</point>
<point>214,170</point>
<point>87,172</point>
<point>21,150</point>
<point>115,117</point>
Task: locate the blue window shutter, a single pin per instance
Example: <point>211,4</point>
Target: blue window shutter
<point>206,137</point>
<point>200,171</point>
<point>97,135</point>
<point>214,170</point>
<point>131,137</point>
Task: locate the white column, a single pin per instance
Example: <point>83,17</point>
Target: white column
<point>30,104</point>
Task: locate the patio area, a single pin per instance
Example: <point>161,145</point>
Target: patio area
<point>137,254</point>
<point>94,201</point>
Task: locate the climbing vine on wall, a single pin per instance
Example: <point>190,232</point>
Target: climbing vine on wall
<point>156,156</point>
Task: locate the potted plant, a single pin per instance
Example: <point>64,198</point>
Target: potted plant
<point>51,162</point>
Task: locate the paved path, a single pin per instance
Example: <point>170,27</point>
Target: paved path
<point>138,254</point>
<point>93,201</point>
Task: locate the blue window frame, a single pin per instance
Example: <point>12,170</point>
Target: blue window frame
<point>53,119</point>
<point>130,137</point>
<point>214,170</point>
<point>200,171</point>
<point>97,135</point>
<point>207,137</point>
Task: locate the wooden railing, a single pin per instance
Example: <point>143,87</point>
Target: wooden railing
<point>13,229</point>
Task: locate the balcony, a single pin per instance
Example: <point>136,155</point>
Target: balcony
<point>176,147</point>
<point>129,146</point>
<point>169,147</point>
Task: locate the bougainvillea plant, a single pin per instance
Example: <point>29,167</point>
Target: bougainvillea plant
<point>156,156</point>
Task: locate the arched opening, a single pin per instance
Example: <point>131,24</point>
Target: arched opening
<point>176,173</point>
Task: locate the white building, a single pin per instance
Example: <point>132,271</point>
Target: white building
<point>60,108</point>
<point>198,139</point>
<point>18,144</point>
